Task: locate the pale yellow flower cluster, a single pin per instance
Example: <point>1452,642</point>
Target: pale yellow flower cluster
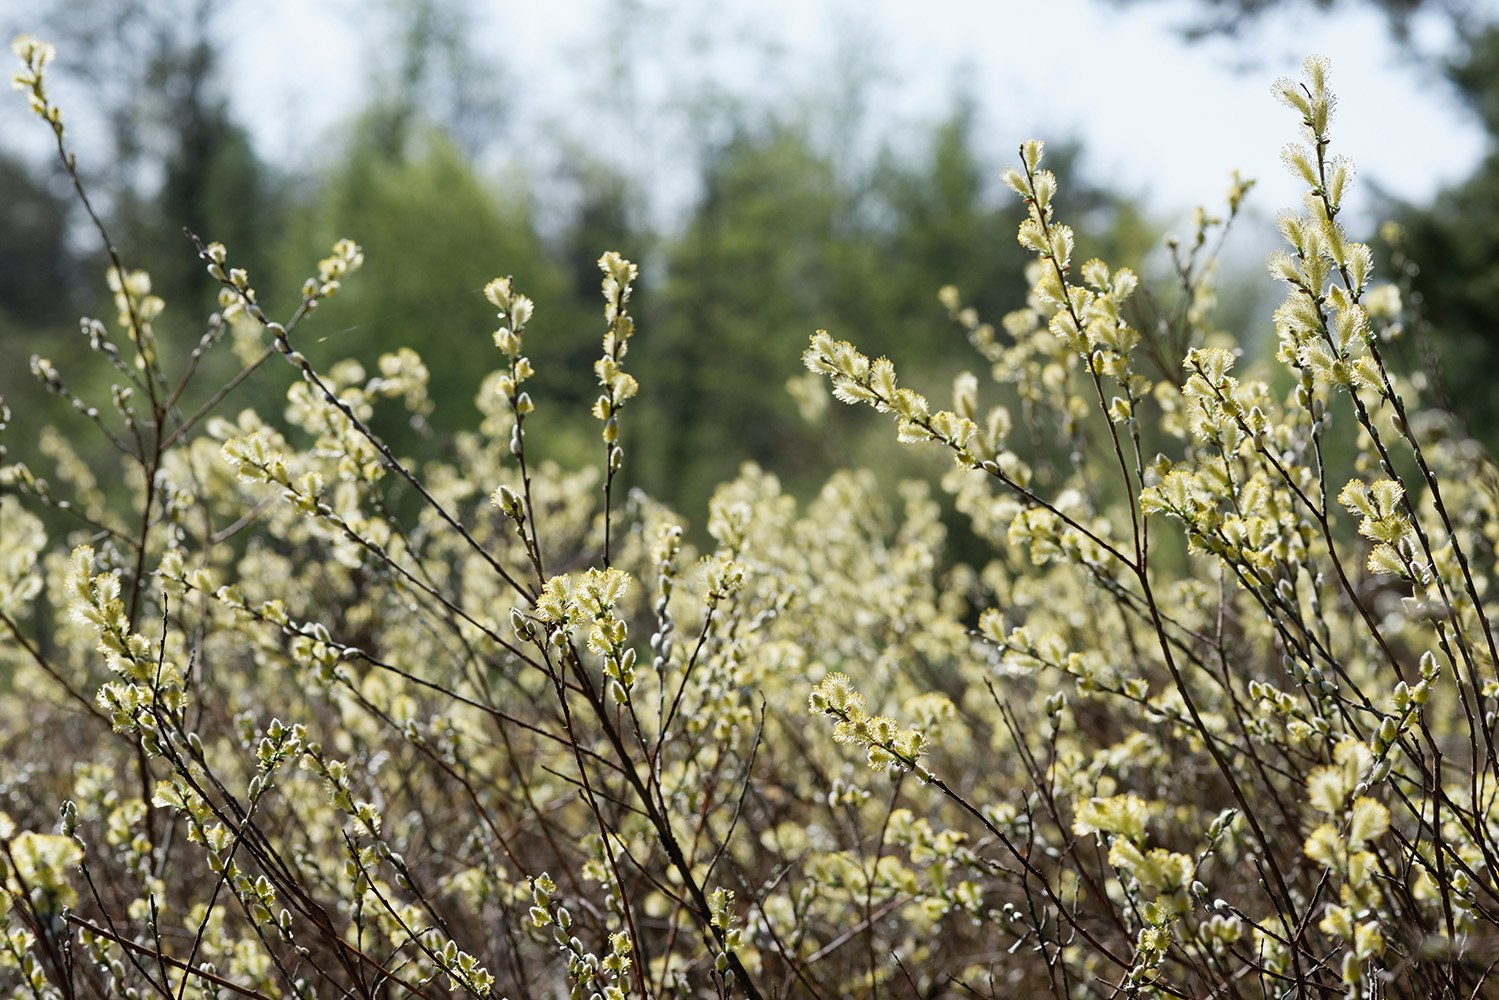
<point>1210,708</point>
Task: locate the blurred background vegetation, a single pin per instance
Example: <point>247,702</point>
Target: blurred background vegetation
<point>803,215</point>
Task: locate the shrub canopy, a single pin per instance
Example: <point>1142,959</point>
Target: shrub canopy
<point>292,713</point>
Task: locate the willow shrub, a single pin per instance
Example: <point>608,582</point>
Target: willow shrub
<point>290,714</point>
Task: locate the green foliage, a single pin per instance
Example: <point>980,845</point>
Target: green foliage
<point>37,288</point>
<point>422,204</point>
<point>1450,253</point>
<point>296,714</point>
<point>763,250</point>
<point>210,175</point>
<point>33,259</point>
<point>781,236</point>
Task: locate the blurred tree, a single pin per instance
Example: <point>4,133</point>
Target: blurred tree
<point>747,279</point>
<point>159,151</point>
<point>425,73</point>
<point>217,187</point>
<point>175,158</point>
<point>785,239</point>
<point>36,267</point>
<point>948,227</point>
<point>40,289</point>
<point>1476,73</point>
<point>603,217</point>
<point>433,233</point>
<point>603,214</point>
<point>1221,17</point>
<point>434,230</point>
<point>1452,247</point>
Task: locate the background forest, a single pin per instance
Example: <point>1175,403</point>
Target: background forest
<point>789,215</point>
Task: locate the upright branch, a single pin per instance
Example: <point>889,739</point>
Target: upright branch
<point>618,385</point>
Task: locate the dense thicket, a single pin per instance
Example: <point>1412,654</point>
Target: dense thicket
<point>1211,710</point>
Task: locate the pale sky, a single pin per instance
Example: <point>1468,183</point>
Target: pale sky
<point>1159,117</point>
